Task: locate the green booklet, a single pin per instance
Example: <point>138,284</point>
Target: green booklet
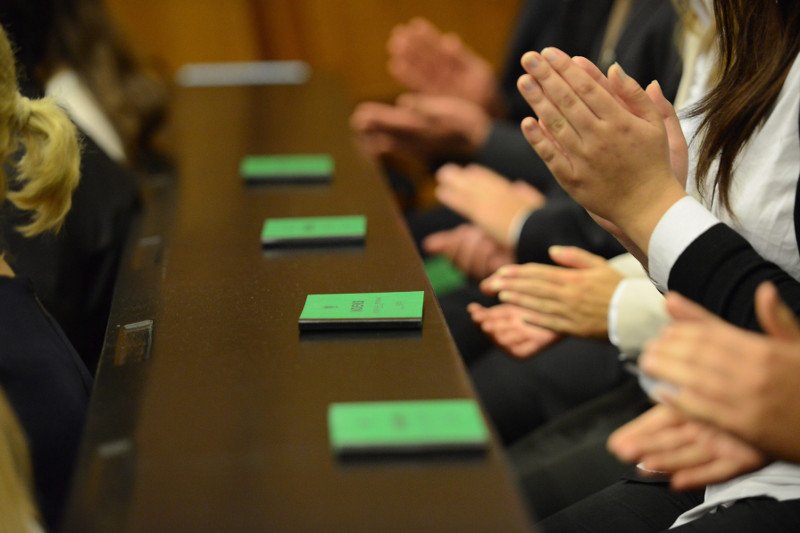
<point>314,231</point>
<point>416,426</point>
<point>287,168</point>
<point>372,310</point>
<point>444,276</point>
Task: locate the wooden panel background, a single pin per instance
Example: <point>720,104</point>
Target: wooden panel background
<point>345,36</point>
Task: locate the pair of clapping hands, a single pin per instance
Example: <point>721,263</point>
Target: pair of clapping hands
<point>617,150</point>
<point>453,98</point>
<point>734,406</point>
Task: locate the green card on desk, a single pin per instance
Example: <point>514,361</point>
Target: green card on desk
<point>372,310</point>
<point>314,231</point>
<point>287,168</point>
<point>416,426</point>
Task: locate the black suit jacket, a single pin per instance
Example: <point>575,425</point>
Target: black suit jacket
<point>74,271</point>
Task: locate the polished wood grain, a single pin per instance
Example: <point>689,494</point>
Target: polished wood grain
<point>212,417</point>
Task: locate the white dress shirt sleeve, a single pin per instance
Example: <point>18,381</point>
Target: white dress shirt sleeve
<point>684,222</point>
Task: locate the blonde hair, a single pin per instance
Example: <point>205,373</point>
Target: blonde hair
<point>17,510</point>
<point>48,171</point>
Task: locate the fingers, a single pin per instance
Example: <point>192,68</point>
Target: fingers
<point>455,189</point>
<point>542,306</point>
<point>530,286</point>
<point>554,101</point>
<point>676,449</point>
<point>681,308</point>
<point>546,147</point>
<point>664,106</point>
<point>591,69</point>
<point>574,257</point>
<point>474,252</point>
<point>697,406</point>
<point>553,322</point>
<point>730,457</point>
<point>477,313</point>
<point>523,341</point>
<point>427,105</point>
<point>441,242</point>
<point>708,473</point>
<point>576,94</point>
<point>450,188</point>
<point>415,54</point>
<point>635,98</point>
<point>373,116</point>
<point>687,356</point>
<point>679,152</point>
<point>629,441</point>
<point>539,280</point>
<point>773,315</point>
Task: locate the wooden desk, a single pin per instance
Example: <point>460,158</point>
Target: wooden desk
<point>220,425</point>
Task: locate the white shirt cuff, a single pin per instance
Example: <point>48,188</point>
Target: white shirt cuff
<point>636,314</point>
<point>628,266</point>
<point>613,313</point>
<point>681,225</point>
<point>517,223</point>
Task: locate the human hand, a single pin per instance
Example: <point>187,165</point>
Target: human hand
<point>469,248</point>
<point>570,301</point>
<point>486,198</point>
<point>508,327</point>
<point>614,159</point>
<point>741,381</point>
<point>695,453</point>
<point>426,60</point>
<point>422,126</point>
<point>678,149</point>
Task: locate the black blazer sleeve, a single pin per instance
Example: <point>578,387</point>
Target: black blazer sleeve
<point>720,270</point>
<point>563,222</point>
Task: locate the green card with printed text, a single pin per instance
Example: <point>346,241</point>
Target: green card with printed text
<point>373,310</point>
<point>298,231</point>
<point>287,168</point>
<point>415,426</point>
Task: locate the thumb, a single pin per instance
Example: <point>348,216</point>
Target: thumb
<point>574,257</point>
<point>423,104</point>
<point>436,242</point>
<point>773,315</point>
<point>664,106</point>
<point>632,94</point>
<point>681,308</point>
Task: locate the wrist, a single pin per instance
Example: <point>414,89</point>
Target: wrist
<point>478,132</point>
<point>639,222</point>
<point>513,229</point>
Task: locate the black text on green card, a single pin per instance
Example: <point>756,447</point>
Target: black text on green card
<point>415,426</point>
<point>287,168</point>
<point>314,231</point>
<point>370,310</point>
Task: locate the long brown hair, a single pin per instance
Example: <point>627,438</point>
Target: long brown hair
<point>758,42</point>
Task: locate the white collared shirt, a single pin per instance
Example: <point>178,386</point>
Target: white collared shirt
<point>762,197</point>
<point>67,89</point>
